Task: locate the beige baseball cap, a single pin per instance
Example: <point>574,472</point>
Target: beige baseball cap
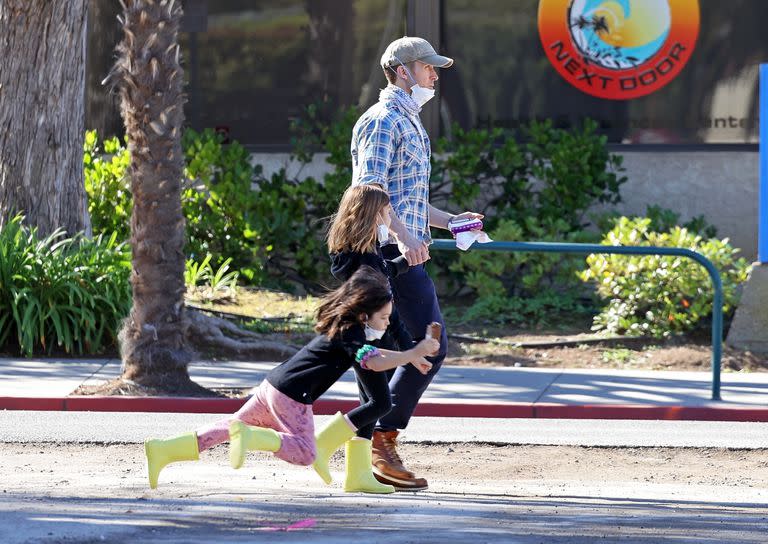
<point>408,49</point>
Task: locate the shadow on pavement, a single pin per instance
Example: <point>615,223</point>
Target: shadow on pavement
<point>399,518</point>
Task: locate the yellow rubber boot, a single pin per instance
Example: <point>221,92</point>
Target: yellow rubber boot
<point>328,440</point>
<point>161,452</point>
<point>359,474</point>
<point>244,438</point>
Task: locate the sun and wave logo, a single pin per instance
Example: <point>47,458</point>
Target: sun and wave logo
<point>618,49</point>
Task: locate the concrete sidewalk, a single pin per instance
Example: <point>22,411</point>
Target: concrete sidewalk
<point>457,391</point>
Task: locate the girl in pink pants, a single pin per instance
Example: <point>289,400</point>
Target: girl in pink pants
<point>272,409</point>
<point>278,417</point>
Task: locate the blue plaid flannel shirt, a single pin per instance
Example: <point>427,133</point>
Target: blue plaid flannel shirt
<point>391,147</point>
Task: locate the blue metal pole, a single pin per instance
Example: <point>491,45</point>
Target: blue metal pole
<point>553,247</point>
<point>762,217</point>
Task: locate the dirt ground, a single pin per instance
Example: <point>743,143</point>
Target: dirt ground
<point>566,344</point>
<point>679,354</point>
<point>48,469</point>
<point>480,493</point>
<point>686,353</point>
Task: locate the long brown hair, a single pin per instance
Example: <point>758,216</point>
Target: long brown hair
<point>365,292</point>
<point>353,227</point>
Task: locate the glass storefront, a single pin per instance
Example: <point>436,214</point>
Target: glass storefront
<point>251,66</point>
<point>260,63</point>
<point>503,77</point>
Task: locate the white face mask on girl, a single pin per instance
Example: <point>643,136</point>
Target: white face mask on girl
<point>382,232</point>
<point>419,94</point>
<point>373,334</point>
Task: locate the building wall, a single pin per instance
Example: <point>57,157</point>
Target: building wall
<point>721,185</point>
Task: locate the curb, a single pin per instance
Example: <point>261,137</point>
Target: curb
<point>500,410</point>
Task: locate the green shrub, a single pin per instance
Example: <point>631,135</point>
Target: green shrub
<point>65,293</point>
<point>73,293</point>
<point>659,296</point>
<point>662,219</point>
<point>271,228</point>
<point>538,191</point>
<point>217,197</point>
<point>521,287</point>
<point>575,171</point>
<point>107,185</point>
<point>553,179</point>
<point>220,205</point>
<point>307,250</point>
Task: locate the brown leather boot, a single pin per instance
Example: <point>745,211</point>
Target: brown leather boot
<point>413,484</point>
<point>387,466</point>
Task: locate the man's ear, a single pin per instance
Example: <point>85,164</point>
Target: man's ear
<point>402,73</point>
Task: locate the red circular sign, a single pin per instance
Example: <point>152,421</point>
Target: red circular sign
<point>618,49</point>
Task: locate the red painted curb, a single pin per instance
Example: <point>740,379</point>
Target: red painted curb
<point>426,408</point>
<point>153,404</point>
<point>24,403</point>
<point>499,410</point>
<point>650,412</point>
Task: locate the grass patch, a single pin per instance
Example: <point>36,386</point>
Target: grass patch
<point>267,326</point>
<point>263,303</point>
<point>266,311</point>
<point>618,355</point>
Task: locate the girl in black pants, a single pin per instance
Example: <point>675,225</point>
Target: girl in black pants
<point>362,220</point>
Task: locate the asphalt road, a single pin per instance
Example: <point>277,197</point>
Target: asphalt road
<point>126,427</point>
<point>72,477</point>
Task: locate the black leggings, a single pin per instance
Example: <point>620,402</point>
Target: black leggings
<point>375,401</point>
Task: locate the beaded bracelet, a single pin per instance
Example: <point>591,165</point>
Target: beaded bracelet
<point>364,353</point>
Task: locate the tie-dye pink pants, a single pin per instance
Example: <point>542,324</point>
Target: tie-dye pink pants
<point>270,408</point>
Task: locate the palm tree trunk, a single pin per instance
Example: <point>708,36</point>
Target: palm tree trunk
<point>149,77</point>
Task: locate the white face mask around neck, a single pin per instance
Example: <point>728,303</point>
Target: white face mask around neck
<point>419,94</point>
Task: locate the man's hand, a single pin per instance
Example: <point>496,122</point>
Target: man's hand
<point>415,251</point>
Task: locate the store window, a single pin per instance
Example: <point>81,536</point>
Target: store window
<point>251,66</point>
<point>257,64</point>
<point>503,76</point>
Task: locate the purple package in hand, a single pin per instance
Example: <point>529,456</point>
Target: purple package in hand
<point>463,225</point>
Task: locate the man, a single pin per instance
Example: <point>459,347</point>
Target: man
<point>390,147</point>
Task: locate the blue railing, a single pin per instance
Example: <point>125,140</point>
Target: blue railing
<point>586,249</point>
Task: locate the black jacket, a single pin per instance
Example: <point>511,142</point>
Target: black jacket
<point>344,264</point>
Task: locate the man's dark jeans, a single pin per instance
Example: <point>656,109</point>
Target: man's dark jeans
<point>416,301</point>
